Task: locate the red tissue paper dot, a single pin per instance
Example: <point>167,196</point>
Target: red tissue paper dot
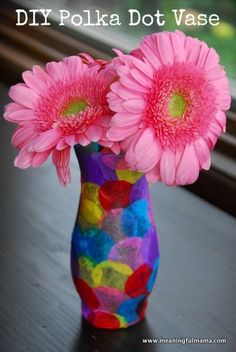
<point>141,308</point>
<point>86,293</point>
<point>115,194</point>
<point>137,282</point>
<point>106,150</point>
<point>104,320</point>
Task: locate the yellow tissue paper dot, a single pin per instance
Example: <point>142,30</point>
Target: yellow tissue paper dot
<point>122,320</point>
<point>85,270</point>
<point>97,276</point>
<point>112,274</point>
<point>91,211</point>
<point>90,191</point>
<point>128,175</point>
<point>120,267</point>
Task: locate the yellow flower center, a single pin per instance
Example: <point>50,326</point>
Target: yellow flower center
<point>74,108</point>
<point>177,105</point>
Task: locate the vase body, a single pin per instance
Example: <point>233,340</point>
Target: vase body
<point>114,251</point>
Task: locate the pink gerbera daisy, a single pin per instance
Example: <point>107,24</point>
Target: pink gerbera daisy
<point>169,102</point>
<point>58,107</point>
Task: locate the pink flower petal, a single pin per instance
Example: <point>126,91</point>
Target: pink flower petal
<point>151,42</point>
<point>122,70</point>
<point>221,85</point>
<point>24,158</point>
<point>145,141</point>
<point>178,47</point>
<point>212,59</point>
<point>215,73</point>
<point>178,157</point>
<point>140,77</point>
<point>193,175</point>
<point>13,107</point>
<point>221,118</point>
<point>23,95</point>
<point>153,175</point>
<point>190,43</point>
<point>137,53</point>
<point>203,153</point>
<point>215,128</point>
<point>118,134</point>
<point>82,140</point>
<point>188,169</point>
<point>61,159</point>
<point>167,167</point>
<point>39,158</point>
<point>19,115</point>
<point>128,145</point>
<point>211,139</point>
<point>124,93</point>
<point>94,133</point>
<point>22,135</point>
<point>85,58</point>
<point>182,37</point>
<point>115,147</point>
<point>224,101</point>
<point>146,159</point>
<point>194,55</point>
<point>75,65</point>
<point>115,103</point>
<point>131,140</point>
<point>125,119</point>
<point>165,48</point>
<point>123,58</point>
<point>202,55</point>
<point>32,82</point>
<point>61,144</point>
<point>131,84</point>
<point>47,140</point>
<point>64,175</point>
<point>150,55</point>
<point>151,159</point>
<point>42,76</point>
<point>56,70</point>
<point>70,140</point>
<point>145,67</point>
<point>103,121</point>
<point>134,105</point>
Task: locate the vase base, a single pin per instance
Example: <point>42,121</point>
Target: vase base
<point>113,321</point>
<point>108,321</point>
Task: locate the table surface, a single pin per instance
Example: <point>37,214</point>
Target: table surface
<point>194,295</point>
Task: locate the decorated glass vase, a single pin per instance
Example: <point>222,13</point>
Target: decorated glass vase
<point>114,251</point>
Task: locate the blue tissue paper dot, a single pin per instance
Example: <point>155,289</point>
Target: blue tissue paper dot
<point>134,220</point>
<point>128,308</point>
<point>92,243</point>
<point>152,279</point>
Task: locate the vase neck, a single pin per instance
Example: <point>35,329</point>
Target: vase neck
<point>102,166</point>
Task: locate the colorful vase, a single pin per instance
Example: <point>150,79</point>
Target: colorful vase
<point>114,252</point>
